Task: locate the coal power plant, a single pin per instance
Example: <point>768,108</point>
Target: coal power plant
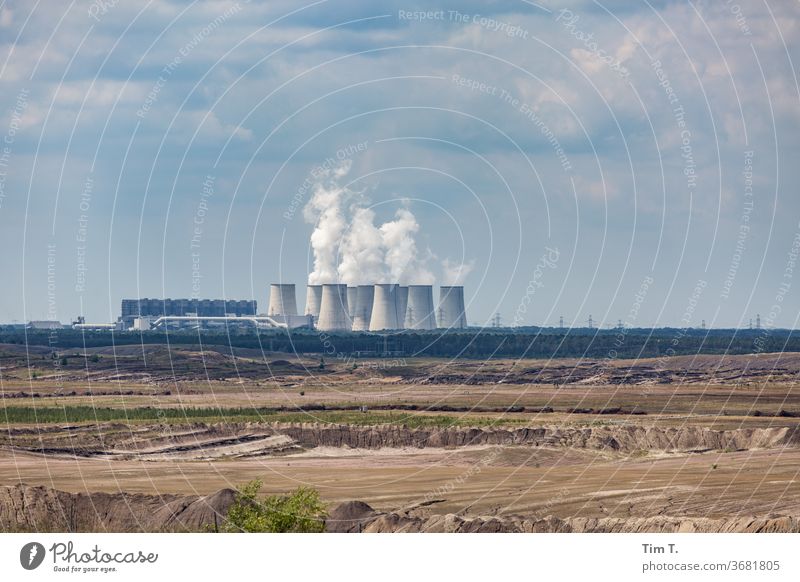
<point>336,307</point>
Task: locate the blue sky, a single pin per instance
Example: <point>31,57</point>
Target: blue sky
<point>654,147</point>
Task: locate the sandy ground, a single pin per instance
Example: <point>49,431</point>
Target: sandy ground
<point>481,481</point>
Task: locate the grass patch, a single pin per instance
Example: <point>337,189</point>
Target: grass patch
<point>78,414</point>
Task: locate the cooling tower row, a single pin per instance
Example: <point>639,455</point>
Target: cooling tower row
<point>385,306</point>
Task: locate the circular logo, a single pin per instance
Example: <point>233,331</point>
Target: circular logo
<point>31,555</point>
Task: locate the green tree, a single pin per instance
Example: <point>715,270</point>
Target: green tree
<point>299,511</point>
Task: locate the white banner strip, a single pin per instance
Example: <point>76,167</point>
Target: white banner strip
<point>402,557</point>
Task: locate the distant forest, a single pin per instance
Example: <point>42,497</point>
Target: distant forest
<point>469,343</point>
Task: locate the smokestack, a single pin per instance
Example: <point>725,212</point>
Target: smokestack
<point>333,312</point>
<point>402,305</point>
<point>352,294</point>
<point>282,300</point>
<point>451,307</point>
<point>313,300</point>
<point>385,314</point>
<point>419,314</point>
<point>362,312</point>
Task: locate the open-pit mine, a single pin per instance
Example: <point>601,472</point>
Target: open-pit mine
<point>157,438</point>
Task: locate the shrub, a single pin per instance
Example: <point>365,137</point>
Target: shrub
<point>299,511</point>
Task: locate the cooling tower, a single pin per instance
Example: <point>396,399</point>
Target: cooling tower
<point>451,307</point>
<point>362,310</point>
<point>333,312</point>
<point>385,313</point>
<point>282,299</point>
<point>419,312</point>
<point>352,293</point>
<point>402,305</point>
<point>313,300</point>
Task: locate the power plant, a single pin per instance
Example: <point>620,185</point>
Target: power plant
<point>330,307</point>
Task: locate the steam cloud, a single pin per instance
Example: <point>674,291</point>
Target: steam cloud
<point>454,273</point>
<point>325,208</point>
<point>361,253</point>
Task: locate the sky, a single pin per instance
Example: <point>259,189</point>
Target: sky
<point>633,162</point>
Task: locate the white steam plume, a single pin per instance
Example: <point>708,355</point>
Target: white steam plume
<point>366,253</point>
<point>401,250</point>
<point>325,209</point>
<point>454,273</point>
<point>362,252</point>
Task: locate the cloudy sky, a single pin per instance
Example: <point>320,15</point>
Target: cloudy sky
<point>628,163</point>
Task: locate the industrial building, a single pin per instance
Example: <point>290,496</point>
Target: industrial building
<point>132,308</point>
<point>151,310</point>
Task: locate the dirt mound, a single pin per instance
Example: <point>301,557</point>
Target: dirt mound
<point>201,441</point>
<point>350,517</point>
<point>614,438</point>
<point>408,522</point>
<point>24,508</point>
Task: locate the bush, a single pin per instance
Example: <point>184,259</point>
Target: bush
<point>300,511</point>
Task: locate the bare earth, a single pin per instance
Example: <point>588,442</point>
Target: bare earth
<point>703,437</point>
